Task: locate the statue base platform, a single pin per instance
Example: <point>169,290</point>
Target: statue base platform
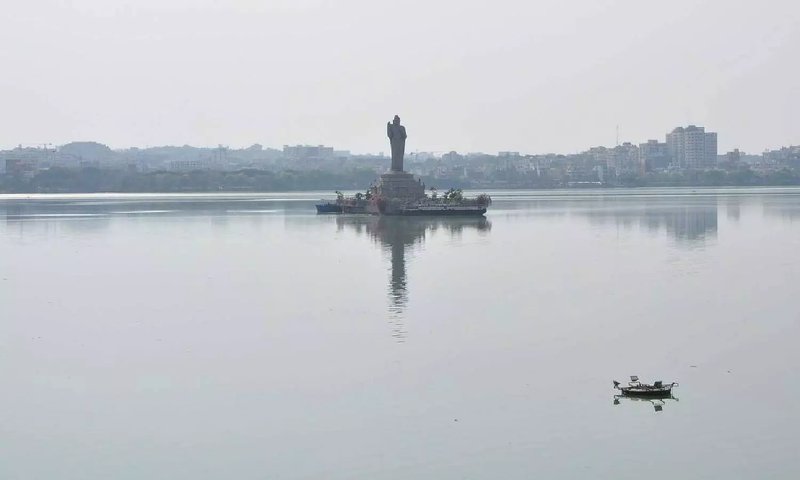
<point>400,187</point>
<point>394,191</point>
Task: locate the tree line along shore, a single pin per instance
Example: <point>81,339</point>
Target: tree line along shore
<point>92,179</point>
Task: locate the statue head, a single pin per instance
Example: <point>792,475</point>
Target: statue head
<point>396,120</point>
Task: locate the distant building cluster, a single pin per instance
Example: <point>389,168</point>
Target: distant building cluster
<point>308,152</point>
<point>684,149</point>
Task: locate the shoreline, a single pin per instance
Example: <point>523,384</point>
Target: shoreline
<point>313,195</point>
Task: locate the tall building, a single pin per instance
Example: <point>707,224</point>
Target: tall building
<point>692,147</point>
<point>733,158</point>
<point>653,156</point>
<point>618,160</point>
<point>625,159</point>
<point>783,158</point>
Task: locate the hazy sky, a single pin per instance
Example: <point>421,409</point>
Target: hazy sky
<point>526,75</point>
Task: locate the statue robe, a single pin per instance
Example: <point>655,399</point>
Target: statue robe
<point>397,138</point>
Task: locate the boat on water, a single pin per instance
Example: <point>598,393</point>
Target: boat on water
<point>636,388</point>
<point>329,207</point>
<point>355,204</point>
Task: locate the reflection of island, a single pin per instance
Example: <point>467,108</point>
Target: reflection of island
<point>398,235</point>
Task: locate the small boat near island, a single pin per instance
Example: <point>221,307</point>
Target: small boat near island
<point>328,207</point>
<point>342,204</point>
<point>636,388</point>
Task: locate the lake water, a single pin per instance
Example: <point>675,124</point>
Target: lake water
<point>244,336</point>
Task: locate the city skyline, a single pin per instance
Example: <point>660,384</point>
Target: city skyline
<point>327,150</point>
<point>616,139</point>
<point>546,77</point>
<point>688,156</point>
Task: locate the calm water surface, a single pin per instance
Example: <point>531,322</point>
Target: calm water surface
<point>243,336</point>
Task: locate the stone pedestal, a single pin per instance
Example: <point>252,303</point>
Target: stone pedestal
<point>394,191</point>
<point>400,187</point>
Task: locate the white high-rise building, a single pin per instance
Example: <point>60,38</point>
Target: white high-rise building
<point>692,147</point>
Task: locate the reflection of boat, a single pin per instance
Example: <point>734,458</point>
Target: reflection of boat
<point>658,403</point>
<point>329,207</point>
<point>636,388</point>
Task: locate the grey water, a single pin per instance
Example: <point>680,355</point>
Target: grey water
<point>244,336</point>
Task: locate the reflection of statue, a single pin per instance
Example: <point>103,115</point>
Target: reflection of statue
<point>397,138</point>
<point>399,234</point>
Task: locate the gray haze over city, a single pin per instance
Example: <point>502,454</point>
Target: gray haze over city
<point>533,77</point>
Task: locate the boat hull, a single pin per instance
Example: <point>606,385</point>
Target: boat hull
<point>647,393</point>
<point>328,208</point>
